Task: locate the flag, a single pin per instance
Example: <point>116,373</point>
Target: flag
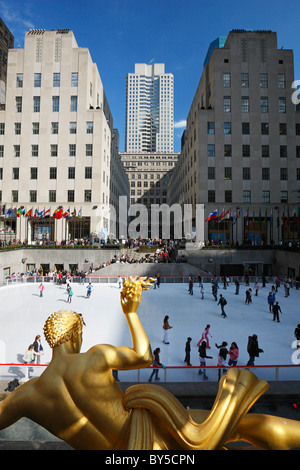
<point>282,217</point>
<point>253,218</point>
<point>277,217</point>
<point>36,213</point>
<point>57,214</point>
<point>9,211</point>
<point>47,212</point>
<point>3,209</point>
<point>212,216</point>
<point>29,213</point>
<point>73,214</point>
<point>66,214</point>
<point>234,219</point>
<point>79,213</point>
<point>246,222</point>
<point>271,218</point>
<point>221,216</point>
<point>238,214</point>
<point>266,216</point>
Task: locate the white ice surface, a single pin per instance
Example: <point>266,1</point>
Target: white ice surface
<point>23,314</point>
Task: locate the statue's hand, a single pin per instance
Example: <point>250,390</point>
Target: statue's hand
<point>131,294</point>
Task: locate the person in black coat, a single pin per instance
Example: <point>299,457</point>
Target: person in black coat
<point>253,349</point>
<point>276,310</point>
<point>187,358</point>
<point>297,335</point>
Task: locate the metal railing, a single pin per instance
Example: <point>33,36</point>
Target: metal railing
<point>187,374</point>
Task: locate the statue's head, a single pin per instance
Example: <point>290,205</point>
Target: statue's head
<point>63,326</point>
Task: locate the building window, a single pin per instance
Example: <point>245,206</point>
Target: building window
<point>281,80</point>
<point>265,128</point>
<point>263,80</point>
<point>33,173</point>
<point>87,195</point>
<point>74,79</point>
<point>264,104</point>
<point>35,128</point>
<point>56,79</point>
<point>266,196</point>
<point>245,104</point>
<point>19,80</point>
<point>71,195</point>
<point>71,172</point>
<point>73,127</point>
<point>265,153</point>
<point>72,150</point>
<point>227,173</point>
<point>211,195</point>
<point>283,174</point>
<point>297,128</point>
<point>245,80</point>
<point>297,151</point>
<point>1,151</point>
<point>15,173</point>
<point>18,104</point>
<point>246,173</point>
<point>284,196</point>
<point>52,195</point>
<point>246,196</point>
<point>2,128</point>
<point>54,127</point>
<point>14,196</point>
<point>17,128</point>
<point>55,104</point>
<point>88,173</point>
<point>226,80</point>
<point>283,151</point>
<point>265,173</point>
<point>89,127</point>
<point>245,128</point>
<point>37,80</point>
<point>53,150</point>
<point>211,172</point>
<point>89,150</point>
<point>228,195</point>
<point>227,127</point>
<point>1,173</point>
<point>227,150</point>
<point>227,104</point>
<point>34,150</point>
<point>32,195</point>
<point>211,150</point>
<point>73,104</point>
<point>53,173</point>
<point>36,104</point>
<point>17,150</point>
<point>282,128</point>
<point>282,105</point>
<point>210,127</point>
<point>298,174</point>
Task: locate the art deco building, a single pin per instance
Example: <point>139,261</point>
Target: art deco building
<point>240,154</point>
<point>6,43</point>
<point>58,148</point>
<point>149,109</point>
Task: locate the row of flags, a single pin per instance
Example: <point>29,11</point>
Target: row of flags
<point>58,213</point>
<point>285,219</point>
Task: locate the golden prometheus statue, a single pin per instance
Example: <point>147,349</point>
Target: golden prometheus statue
<point>77,399</point>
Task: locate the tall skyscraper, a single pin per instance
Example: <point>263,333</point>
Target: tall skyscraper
<point>149,109</point>
<point>6,43</point>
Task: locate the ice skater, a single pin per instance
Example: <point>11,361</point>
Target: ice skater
<point>70,294</point>
<point>271,300</point>
<point>156,363</point>
<point>202,357</point>
<point>187,358</point>
<point>204,337</point>
<point>41,289</point>
<point>233,354</point>
<point>253,349</point>
<point>166,328</point>
<point>276,310</point>
<point>297,335</point>
<point>202,291</point>
<point>89,290</point>
<point>222,302</point>
<point>190,285</point>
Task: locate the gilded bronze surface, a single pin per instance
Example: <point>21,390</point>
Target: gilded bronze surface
<point>77,399</point>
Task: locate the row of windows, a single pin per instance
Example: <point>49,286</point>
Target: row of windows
<point>54,128</point>
<point>36,105</point>
<point>37,80</point>
<point>245,104</point>
<point>227,128</point>
<point>53,150</point>
<point>52,173</point>
<point>138,192</point>
<point>263,80</point>
<point>150,200</point>
<point>245,151</point>
<point>246,175</point>
<point>87,196</point>
<point>246,196</point>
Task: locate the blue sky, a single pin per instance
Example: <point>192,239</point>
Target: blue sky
<point>120,33</point>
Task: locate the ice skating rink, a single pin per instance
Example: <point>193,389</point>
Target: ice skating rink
<point>23,314</point>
